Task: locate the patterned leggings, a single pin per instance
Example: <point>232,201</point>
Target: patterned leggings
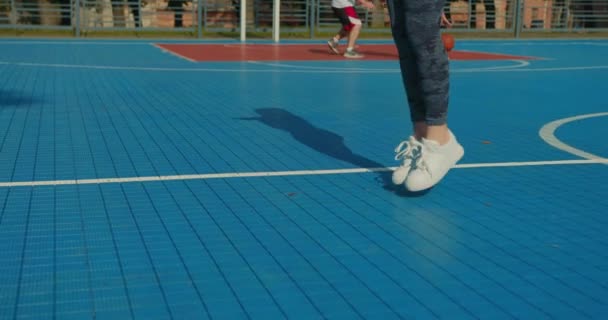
<point>424,63</point>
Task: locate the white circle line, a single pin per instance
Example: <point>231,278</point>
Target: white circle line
<point>547,133</point>
<point>518,64</point>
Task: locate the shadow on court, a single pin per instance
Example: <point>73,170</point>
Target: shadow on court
<point>368,53</point>
<point>325,142</point>
<point>17,99</point>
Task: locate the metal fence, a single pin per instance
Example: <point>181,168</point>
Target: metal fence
<point>309,16</point>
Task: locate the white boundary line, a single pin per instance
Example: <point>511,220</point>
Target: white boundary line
<point>76,42</point>
<point>343,71</point>
<point>518,64</point>
<point>322,68</point>
<point>190,70</point>
<point>547,133</point>
<point>280,173</point>
<point>498,42</point>
<point>172,53</point>
<point>565,42</point>
<point>579,68</point>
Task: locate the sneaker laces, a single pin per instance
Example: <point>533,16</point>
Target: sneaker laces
<point>421,164</point>
<point>420,161</point>
<point>405,150</point>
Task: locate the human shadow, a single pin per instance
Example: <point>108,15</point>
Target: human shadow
<point>16,99</point>
<point>325,142</point>
<point>376,54</point>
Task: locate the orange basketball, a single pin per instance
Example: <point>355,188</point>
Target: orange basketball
<point>448,41</point>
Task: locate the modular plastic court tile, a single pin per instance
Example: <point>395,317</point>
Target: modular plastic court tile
<point>230,198</point>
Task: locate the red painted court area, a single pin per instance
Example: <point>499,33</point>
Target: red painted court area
<point>303,52</point>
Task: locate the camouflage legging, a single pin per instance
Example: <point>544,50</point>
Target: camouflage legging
<point>424,63</point>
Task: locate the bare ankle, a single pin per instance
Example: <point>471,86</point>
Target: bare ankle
<point>440,134</point>
<point>420,130</point>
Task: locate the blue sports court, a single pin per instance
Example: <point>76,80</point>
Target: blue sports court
<point>138,184</point>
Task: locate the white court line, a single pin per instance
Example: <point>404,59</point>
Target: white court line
<point>547,133</point>
<point>281,173</point>
<point>498,42</point>
<point>345,71</point>
<point>519,64</point>
<point>599,42</point>
<point>172,53</point>
<point>257,46</point>
<point>166,69</point>
<point>285,65</point>
<point>581,68</point>
<point>33,42</point>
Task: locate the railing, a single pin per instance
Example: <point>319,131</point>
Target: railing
<point>306,16</point>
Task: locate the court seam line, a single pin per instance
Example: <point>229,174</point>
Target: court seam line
<point>206,176</point>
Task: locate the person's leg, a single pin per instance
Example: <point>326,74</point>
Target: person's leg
<point>588,13</point>
<point>351,27</point>
<point>178,18</point>
<point>134,5</point>
<point>178,14</point>
<point>334,42</point>
<point>353,36</point>
<point>343,19</point>
<point>473,14</point>
<point>424,63</point>
<point>409,67</point>
<point>440,150</point>
<point>236,5</point>
<point>409,148</point>
<point>448,10</point>
<point>425,73</point>
<point>490,13</point>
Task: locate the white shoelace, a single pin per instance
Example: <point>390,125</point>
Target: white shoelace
<point>420,163</point>
<point>405,150</point>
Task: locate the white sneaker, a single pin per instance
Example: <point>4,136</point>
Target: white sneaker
<point>406,151</point>
<point>353,54</point>
<point>433,163</point>
<point>333,46</point>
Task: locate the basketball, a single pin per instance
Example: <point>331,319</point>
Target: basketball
<point>448,41</point>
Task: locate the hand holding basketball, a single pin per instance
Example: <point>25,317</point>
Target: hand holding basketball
<point>445,22</point>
